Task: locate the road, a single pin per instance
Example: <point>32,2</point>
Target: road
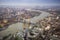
<point>18,26</point>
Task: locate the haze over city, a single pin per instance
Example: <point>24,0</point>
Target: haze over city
<point>29,19</point>
<point>30,2</point>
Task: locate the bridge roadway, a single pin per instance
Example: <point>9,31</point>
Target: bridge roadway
<point>18,26</point>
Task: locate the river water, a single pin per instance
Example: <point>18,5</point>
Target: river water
<point>19,26</point>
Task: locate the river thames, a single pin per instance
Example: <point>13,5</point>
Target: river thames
<point>17,27</point>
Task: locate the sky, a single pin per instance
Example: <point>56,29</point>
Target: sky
<point>29,2</point>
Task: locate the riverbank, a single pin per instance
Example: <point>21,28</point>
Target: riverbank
<point>13,28</point>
